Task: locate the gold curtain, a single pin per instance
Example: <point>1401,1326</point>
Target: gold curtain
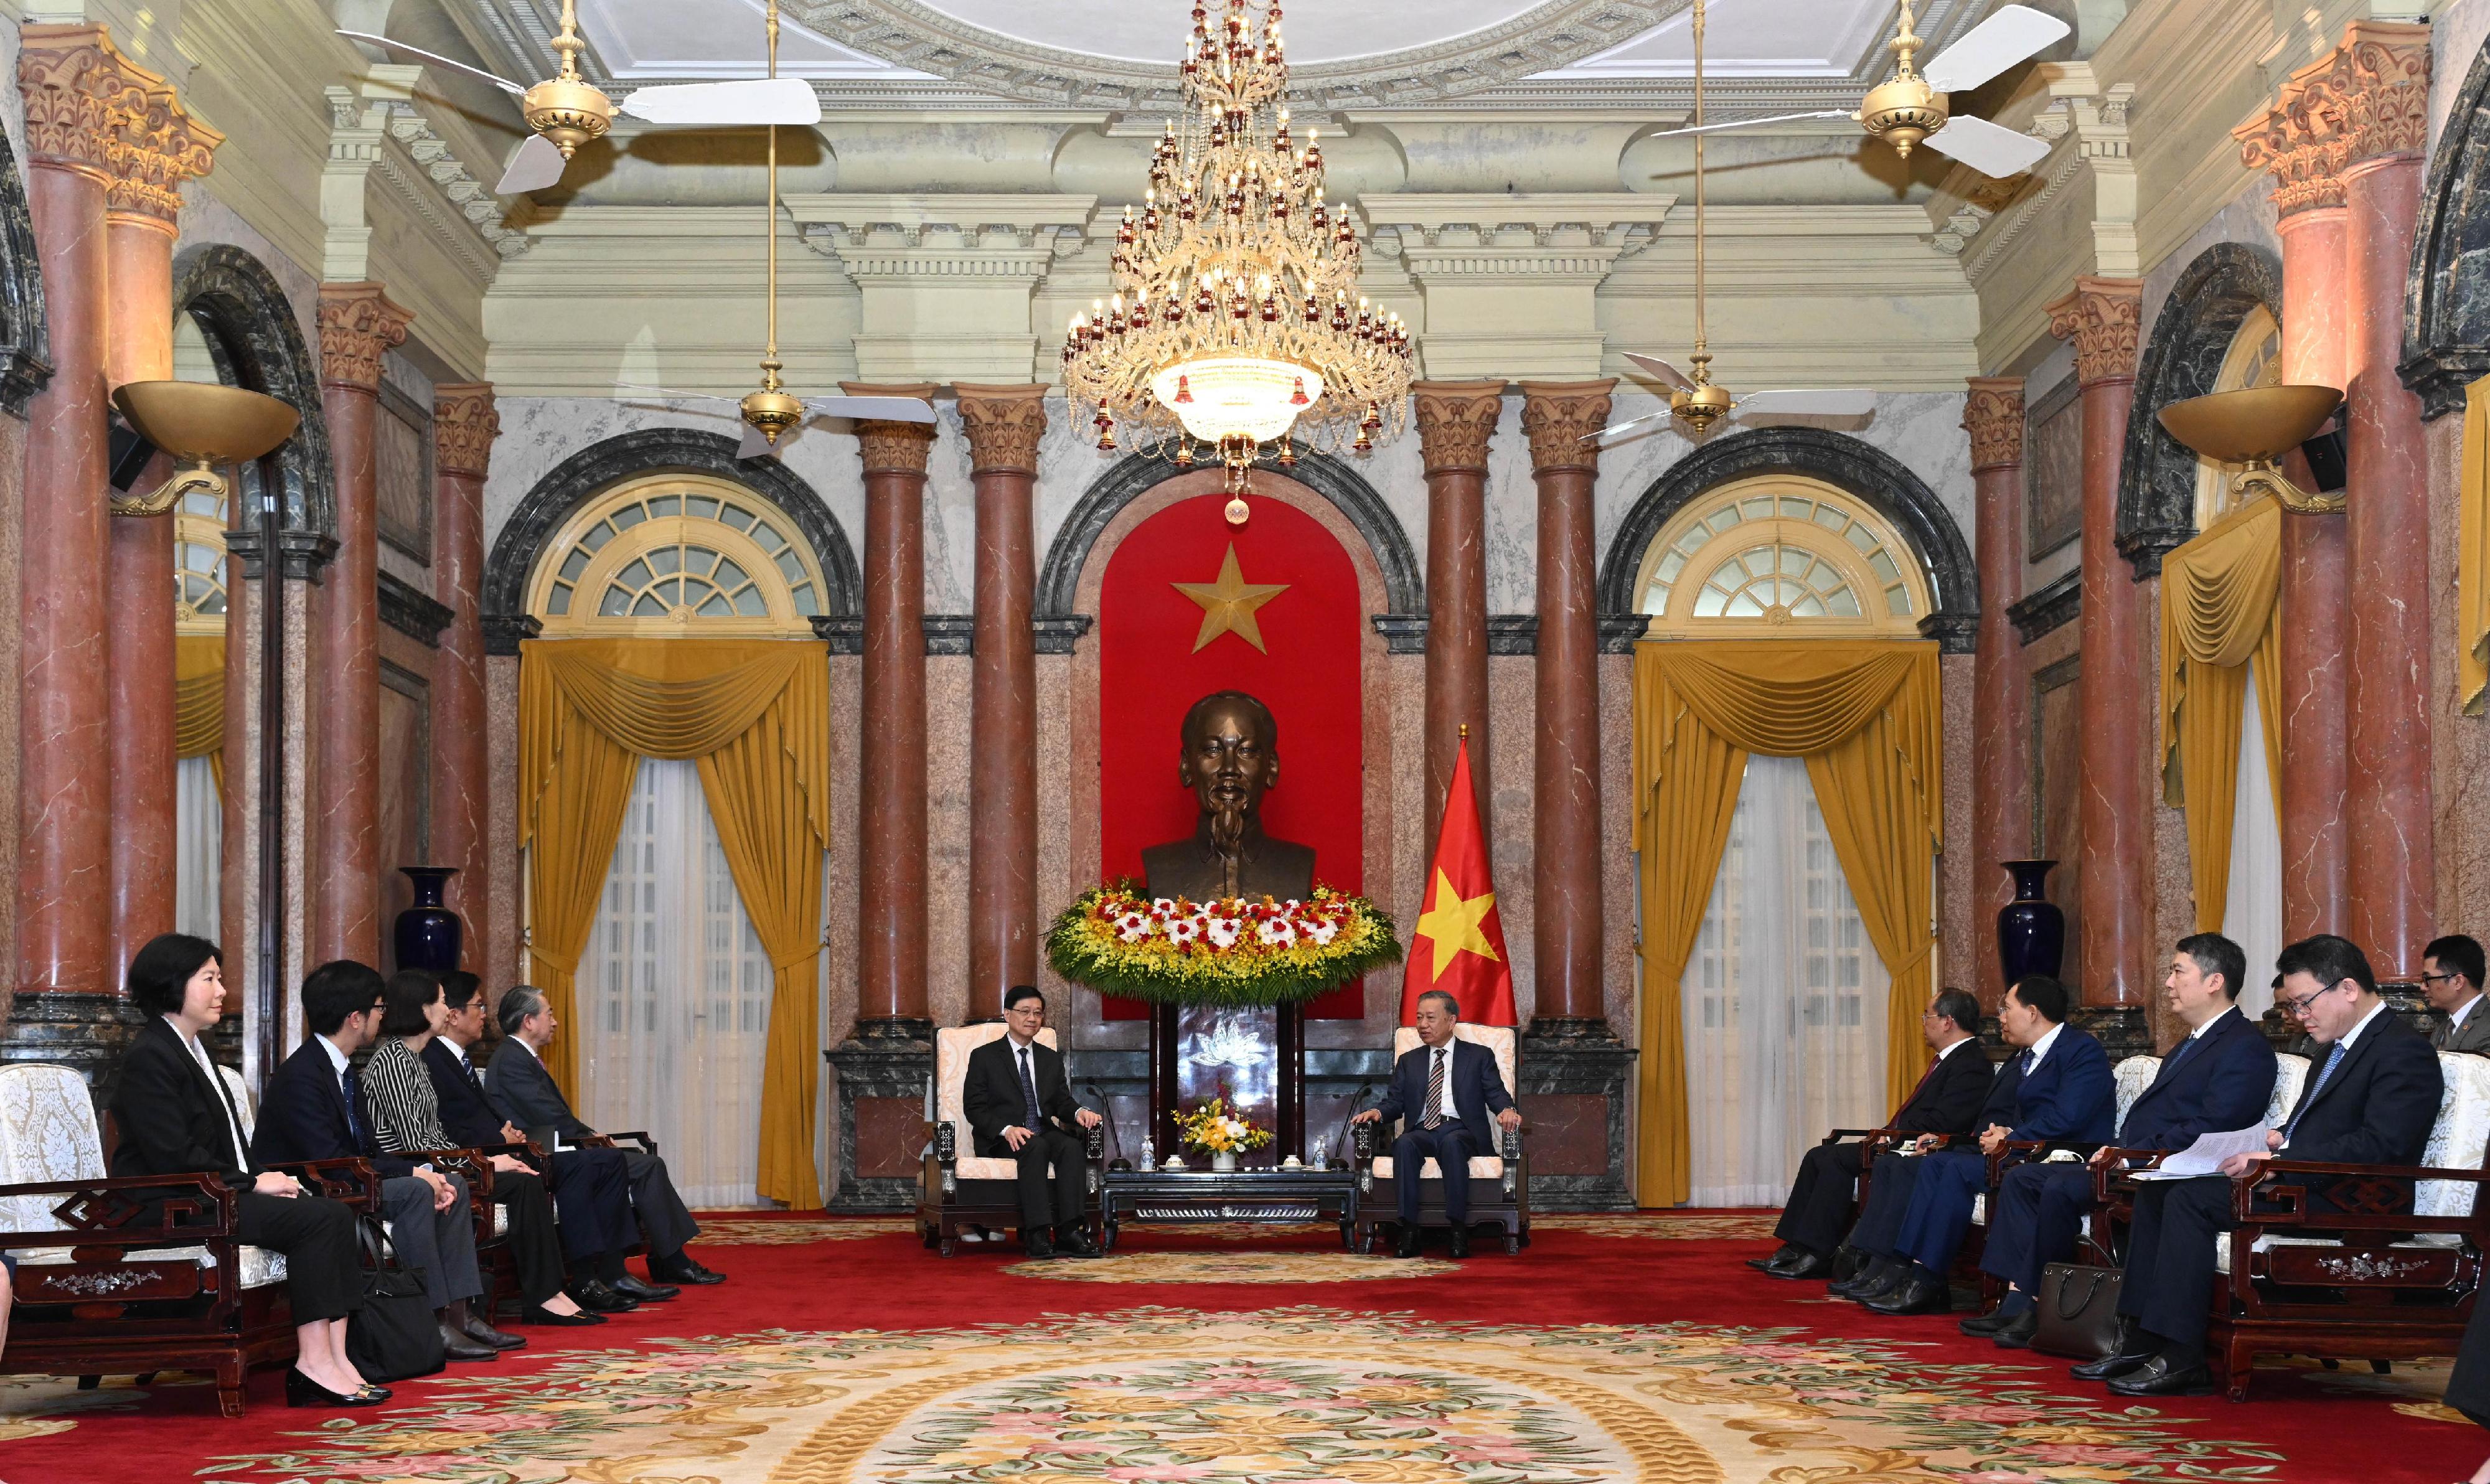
<point>755,714</point>
<point>2221,612</point>
<point>199,701</point>
<point>2472,554</point>
<point>1867,717</point>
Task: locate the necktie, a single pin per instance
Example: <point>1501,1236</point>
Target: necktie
<point>355,1104</point>
<point>1028,1094</point>
<point>1434,1092</point>
<point>2023,1064</point>
<point>2328,1070</point>
<point>2177,1055</point>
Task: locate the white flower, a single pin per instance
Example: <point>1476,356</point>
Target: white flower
<point>1183,929</point>
<point>1223,932</point>
<point>1278,932</point>
<point>1132,927</point>
<point>1163,903</point>
<point>1322,933</point>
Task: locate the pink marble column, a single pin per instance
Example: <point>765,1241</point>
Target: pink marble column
<point>2001,776</point>
<point>357,325</point>
<point>464,424</point>
<point>2115,801</point>
<point>1456,419</point>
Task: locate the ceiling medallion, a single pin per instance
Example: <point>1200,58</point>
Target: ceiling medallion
<point>1232,326</point>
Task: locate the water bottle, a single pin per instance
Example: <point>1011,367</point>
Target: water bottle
<point>1149,1152</point>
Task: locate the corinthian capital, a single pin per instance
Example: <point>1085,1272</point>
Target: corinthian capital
<point>464,424</point>
<point>2100,315</point>
<point>1993,415</point>
<point>901,448</point>
<point>78,89</point>
<point>1004,425</point>
<point>154,150</point>
<point>2368,99</point>
<point>1560,418</point>
<point>357,323</point>
<point>1456,419</point>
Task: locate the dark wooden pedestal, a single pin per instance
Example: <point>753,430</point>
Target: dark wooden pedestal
<point>1289,1079</point>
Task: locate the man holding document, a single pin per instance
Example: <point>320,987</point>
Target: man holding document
<point>2371,1102</point>
<point>2218,1077</point>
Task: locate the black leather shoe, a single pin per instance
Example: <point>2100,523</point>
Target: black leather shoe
<point>2112,1366</point>
<point>1458,1245</point>
<point>455,1346</point>
<point>1914,1295</point>
<point>1408,1246</point>
<point>483,1334</point>
<point>1807,1265</point>
<point>1037,1247</point>
<point>536,1314</point>
<point>2016,1333</point>
<point>1986,1324</point>
<point>2158,1377</point>
<point>1072,1242</point>
<point>682,1269</point>
<point>1881,1272</point>
<point>602,1298</point>
<point>630,1287</point>
<point>1788,1252</point>
<point>302,1390</point>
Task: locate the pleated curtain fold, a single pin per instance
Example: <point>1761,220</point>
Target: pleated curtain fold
<point>755,716</point>
<point>2221,614</point>
<point>1866,715</point>
<point>199,701</point>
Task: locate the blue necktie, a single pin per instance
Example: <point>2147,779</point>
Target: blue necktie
<point>1027,1092</point>
<point>2023,1067</point>
<point>2328,1070</point>
<point>2179,1053</point>
<point>354,1105</point>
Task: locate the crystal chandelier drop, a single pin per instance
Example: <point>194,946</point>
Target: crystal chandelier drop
<point>1236,321</point>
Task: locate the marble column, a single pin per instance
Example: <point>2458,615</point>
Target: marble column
<point>2316,578</point>
<point>2388,635</point>
<point>2001,775</point>
<point>883,1067</point>
<point>1456,419</point>
<point>464,424</point>
<point>1005,425</point>
<point>65,1008</point>
<point>357,326</point>
<point>2114,806</point>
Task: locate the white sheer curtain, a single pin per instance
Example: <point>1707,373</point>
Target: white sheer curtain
<point>673,995</point>
<point>1785,1001</point>
<point>198,849</point>
<point>2253,915</point>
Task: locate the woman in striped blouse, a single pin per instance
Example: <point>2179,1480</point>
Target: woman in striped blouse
<point>406,1117</point>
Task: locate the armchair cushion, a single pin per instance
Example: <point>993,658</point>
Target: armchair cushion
<point>260,1268</point>
<point>953,1045</point>
<point>1483,1167</point>
<point>2133,1076</point>
<point>48,1133</point>
<point>2290,1075</point>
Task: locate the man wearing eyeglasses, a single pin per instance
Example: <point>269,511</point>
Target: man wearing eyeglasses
<point>2370,1101</point>
<point>2451,974</point>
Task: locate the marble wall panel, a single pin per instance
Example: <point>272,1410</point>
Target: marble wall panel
<point>947,825</point>
<point>2458,32</point>
<point>1962,879</point>
<point>503,961</point>
<point>404,777</point>
<point>2460,762</point>
<point>1621,969</point>
<point>1513,730</point>
<point>13,492</point>
<point>839,887</point>
<point>2172,895</point>
<point>2057,723</point>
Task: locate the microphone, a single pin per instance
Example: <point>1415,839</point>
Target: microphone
<point>1107,1111</point>
<point>1340,1144</point>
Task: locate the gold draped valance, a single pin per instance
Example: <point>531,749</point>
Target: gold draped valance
<point>2221,612</point>
<point>199,701</point>
<point>1867,716</point>
<point>754,714</point>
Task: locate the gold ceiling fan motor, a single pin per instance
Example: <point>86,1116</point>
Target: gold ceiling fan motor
<point>1903,110</point>
<point>563,108</point>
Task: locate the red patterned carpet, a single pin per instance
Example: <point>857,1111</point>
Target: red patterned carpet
<point>1614,1349</point>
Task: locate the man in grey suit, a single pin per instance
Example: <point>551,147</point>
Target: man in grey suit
<point>523,1092</point>
<point>2451,974</point>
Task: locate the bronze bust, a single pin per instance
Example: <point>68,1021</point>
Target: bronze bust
<point>1230,757</point>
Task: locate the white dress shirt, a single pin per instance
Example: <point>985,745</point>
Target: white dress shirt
<point>1452,1114</point>
<point>2039,1049</point>
<point>225,1099</point>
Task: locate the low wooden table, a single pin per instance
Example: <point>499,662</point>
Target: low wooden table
<point>1203,1196</point>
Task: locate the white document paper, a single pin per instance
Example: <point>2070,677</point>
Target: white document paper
<point>2205,1156</point>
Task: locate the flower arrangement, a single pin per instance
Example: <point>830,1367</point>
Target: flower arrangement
<point>1234,952</point>
<point>1213,1129</point>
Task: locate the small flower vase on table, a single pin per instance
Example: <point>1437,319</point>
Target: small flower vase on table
<point>1224,1162</point>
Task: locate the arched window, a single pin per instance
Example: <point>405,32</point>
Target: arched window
<point>677,554</point>
<point>1783,552</point>
<point>2254,360</point>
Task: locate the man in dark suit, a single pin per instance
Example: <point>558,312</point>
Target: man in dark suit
<point>1823,1197</point>
<point>1019,1105</point>
<point>2370,1101</point>
<point>2219,1077</point>
<point>2058,1089</point>
<point>1443,1091</point>
<point>313,1110</point>
<point>523,1092</point>
<point>591,1187</point>
<point>2451,974</point>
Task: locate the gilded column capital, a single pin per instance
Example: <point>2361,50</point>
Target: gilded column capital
<point>1004,425</point>
<point>1560,416</point>
<point>2366,99</point>
<point>78,89</point>
<point>2102,317</point>
<point>1455,419</point>
<point>892,448</point>
<point>157,146</point>
<point>357,323</point>
<point>464,424</point>
<point>1993,415</point>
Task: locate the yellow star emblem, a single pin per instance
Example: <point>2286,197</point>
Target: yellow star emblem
<point>1228,603</point>
<point>1452,924</point>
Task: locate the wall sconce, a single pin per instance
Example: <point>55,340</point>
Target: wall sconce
<point>201,425</point>
<point>2255,428</point>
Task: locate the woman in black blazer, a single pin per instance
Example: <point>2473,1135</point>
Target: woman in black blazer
<point>177,1118</point>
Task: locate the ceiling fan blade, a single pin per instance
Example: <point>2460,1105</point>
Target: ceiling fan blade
<point>1778,118</point>
<point>743,104</point>
<point>1842,402</point>
<point>1615,432</point>
<point>437,60</point>
<point>1988,148</point>
<point>537,166</point>
<point>754,444</point>
<point>669,393</point>
<point>1675,378</point>
<point>2013,34</point>
<point>881,409</point>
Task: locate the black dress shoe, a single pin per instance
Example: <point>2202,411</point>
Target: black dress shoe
<point>683,1270</point>
<point>2158,1377</point>
<point>602,1298</point>
<point>1072,1242</point>
<point>1986,1324</point>
<point>302,1390</point>
<point>483,1334</point>
<point>2016,1333</point>
<point>1788,1252</point>
<point>1408,1246</point>
<point>1037,1247</point>
<point>1881,1272</point>
<point>455,1346</point>
<point>1807,1265</point>
<point>630,1287</point>
<point>538,1314</point>
<point>2111,1366</point>
<point>1458,1245</point>
<point>1914,1295</point>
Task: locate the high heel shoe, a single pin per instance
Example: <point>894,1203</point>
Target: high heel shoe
<point>302,1390</point>
<point>535,1313</point>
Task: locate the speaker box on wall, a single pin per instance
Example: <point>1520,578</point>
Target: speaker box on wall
<point>2326,462</point>
<point>127,454</point>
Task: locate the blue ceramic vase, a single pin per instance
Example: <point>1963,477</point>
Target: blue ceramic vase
<point>2031,930</point>
<point>428,933</point>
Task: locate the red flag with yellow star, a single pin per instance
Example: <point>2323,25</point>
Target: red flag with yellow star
<point>1459,944</point>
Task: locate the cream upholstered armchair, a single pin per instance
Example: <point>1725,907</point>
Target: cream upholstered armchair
<point>960,1187</point>
<point>1499,1183</point>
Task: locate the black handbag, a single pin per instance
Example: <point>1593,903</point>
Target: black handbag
<point>2079,1309</point>
<point>394,1335</point>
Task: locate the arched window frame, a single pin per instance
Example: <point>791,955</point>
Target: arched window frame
<point>593,548</point>
<point>1791,521</point>
<point>2254,360</point>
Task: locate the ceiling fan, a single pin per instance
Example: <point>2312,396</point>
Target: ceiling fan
<point>1694,399</point>
<point>1911,106</point>
<point>565,112</point>
<point>773,417</point>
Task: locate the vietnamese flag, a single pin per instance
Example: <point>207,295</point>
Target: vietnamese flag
<point>1459,944</point>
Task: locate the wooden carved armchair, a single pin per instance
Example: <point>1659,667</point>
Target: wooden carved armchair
<point>1499,1183</point>
<point>960,1187</point>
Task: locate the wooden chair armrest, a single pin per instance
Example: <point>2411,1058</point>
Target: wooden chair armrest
<point>638,1136</point>
<point>474,1166</point>
<point>2265,1179</point>
<point>2117,1174</point>
<point>113,1201</point>
<point>353,1182</point>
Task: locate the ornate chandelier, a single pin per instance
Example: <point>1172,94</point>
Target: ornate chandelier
<point>1236,320</point>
